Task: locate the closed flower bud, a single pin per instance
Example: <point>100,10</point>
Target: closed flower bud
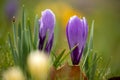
<point>11,8</point>
<point>47,23</point>
<point>77,31</point>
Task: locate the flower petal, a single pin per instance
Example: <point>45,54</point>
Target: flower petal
<point>46,30</point>
<point>47,22</point>
<point>76,32</point>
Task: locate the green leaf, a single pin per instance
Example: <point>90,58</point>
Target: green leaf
<point>14,54</point>
<point>30,35</point>
<point>90,46</point>
<point>19,30</point>
<point>85,50</point>
<point>15,35</point>
<point>58,58</point>
<point>53,56</point>
<point>102,72</point>
<point>25,50</point>
<point>36,32</point>
<point>19,40</point>
<point>21,50</point>
<point>67,54</point>
<point>23,19</point>
<point>93,66</point>
<point>46,40</point>
<point>86,67</point>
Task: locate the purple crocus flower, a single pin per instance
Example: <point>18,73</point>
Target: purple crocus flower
<point>47,23</point>
<point>11,8</point>
<point>77,31</point>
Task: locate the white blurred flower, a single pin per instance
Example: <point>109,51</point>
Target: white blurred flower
<point>38,65</point>
<point>13,73</point>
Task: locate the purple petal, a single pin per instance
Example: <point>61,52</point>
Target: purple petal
<point>76,32</point>
<point>41,42</point>
<point>85,29</point>
<point>49,44</point>
<point>47,23</point>
<point>74,56</point>
<point>11,9</point>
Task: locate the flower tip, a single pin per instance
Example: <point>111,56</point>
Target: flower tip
<point>73,17</point>
<point>84,18</point>
<point>48,11</point>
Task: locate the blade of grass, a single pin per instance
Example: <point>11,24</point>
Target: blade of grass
<point>46,40</point>
<point>25,50</point>
<point>85,50</point>
<point>90,44</point>
<point>19,30</point>
<point>19,41</point>
<point>53,56</point>
<point>58,58</point>
<point>67,54</point>
<point>102,72</point>
<point>23,18</point>
<point>36,32</point>
<point>93,65</point>
<point>30,35</point>
<point>15,36</point>
<point>15,57</point>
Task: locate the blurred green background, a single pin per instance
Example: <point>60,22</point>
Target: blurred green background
<point>106,14</point>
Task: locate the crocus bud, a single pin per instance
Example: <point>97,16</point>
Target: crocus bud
<point>11,8</point>
<point>38,65</point>
<point>47,23</point>
<point>77,31</point>
<point>13,73</point>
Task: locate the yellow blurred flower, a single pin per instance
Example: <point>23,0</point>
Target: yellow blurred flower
<point>62,11</point>
<point>13,73</point>
<point>38,65</point>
